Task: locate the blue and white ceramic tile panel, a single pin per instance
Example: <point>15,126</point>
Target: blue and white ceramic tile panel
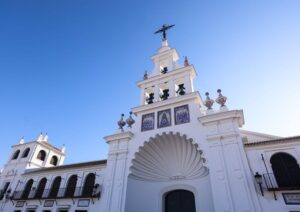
<point>164,118</point>
<point>182,114</point>
<point>148,122</point>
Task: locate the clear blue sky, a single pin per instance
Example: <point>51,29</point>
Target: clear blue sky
<point>69,67</point>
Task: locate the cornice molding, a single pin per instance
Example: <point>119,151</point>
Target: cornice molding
<point>223,115</point>
<point>119,136</point>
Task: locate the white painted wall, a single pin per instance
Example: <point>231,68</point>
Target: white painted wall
<point>149,196</point>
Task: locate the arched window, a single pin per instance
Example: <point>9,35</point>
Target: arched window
<point>40,189</point>
<point>286,170</point>
<point>25,153</point>
<point>27,189</point>
<point>55,187</point>
<point>15,155</point>
<point>180,200</point>
<point>71,186</point>
<point>42,155</point>
<point>54,160</point>
<point>88,186</point>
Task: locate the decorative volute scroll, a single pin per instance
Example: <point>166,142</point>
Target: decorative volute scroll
<point>168,157</point>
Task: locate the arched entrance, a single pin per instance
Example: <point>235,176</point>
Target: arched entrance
<point>180,201</point>
<point>286,170</point>
<point>165,163</point>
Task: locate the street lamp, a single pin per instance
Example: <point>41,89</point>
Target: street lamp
<point>258,179</point>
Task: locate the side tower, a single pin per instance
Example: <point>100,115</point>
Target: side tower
<point>29,155</point>
<point>178,154</point>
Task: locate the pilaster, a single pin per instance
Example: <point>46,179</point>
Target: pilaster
<point>115,179</point>
<point>231,180</point>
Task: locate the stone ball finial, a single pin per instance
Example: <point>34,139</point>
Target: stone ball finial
<point>40,137</point>
<point>63,148</point>
<point>22,140</point>
<point>121,122</point>
<point>130,121</point>
<point>46,138</point>
<point>221,100</point>
<point>208,102</point>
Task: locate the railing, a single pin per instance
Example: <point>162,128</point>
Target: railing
<point>62,193</point>
<point>270,183</point>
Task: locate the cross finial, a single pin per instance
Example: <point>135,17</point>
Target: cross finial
<point>163,30</point>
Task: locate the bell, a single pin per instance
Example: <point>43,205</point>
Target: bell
<point>150,98</point>
<point>165,94</point>
<point>181,89</point>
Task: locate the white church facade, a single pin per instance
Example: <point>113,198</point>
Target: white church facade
<point>178,153</point>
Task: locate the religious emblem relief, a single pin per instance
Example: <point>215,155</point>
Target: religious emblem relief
<point>182,114</point>
<point>148,122</point>
<point>164,118</point>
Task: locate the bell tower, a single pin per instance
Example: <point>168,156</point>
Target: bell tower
<point>177,142</point>
<point>168,78</point>
<point>30,155</point>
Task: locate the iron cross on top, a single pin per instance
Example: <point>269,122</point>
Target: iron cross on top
<point>163,30</point>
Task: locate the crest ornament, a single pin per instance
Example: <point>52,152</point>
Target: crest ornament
<point>121,122</point>
<point>221,100</point>
<point>208,102</point>
<point>130,121</point>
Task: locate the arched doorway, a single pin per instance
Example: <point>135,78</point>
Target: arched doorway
<point>71,186</point>
<point>180,201</point>
<point>286,170</point>
<point>55,187</point>
<point>88,185</point>
<point>27,189</point>
<point>41,188</point>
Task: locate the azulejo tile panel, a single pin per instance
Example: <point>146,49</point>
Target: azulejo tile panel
<point>148,121</point>
<point>182,114</point>
<point>164,118</point>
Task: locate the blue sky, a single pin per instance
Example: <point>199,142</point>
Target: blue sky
<point>69,68</point>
